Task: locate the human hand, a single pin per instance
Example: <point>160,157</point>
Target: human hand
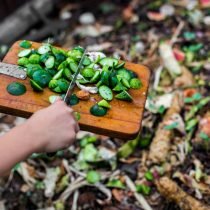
<point>52,128</point>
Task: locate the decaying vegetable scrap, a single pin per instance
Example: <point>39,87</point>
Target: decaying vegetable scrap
<point>170,190</point>
<point>161,142</point>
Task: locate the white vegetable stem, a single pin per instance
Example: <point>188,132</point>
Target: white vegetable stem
<point>169,60</point>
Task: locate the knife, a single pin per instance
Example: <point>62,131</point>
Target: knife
<point>12,70</point>
<point>73,82</point>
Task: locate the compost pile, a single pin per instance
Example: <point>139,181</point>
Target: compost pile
<point>167,167</point>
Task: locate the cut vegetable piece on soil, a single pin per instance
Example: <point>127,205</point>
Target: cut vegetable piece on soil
<point>24,53</point>
<point>50,62</point>
<point>93,177</point>
<point>108,62</point>
<point>96,110</point>
<point>135,83</point>
<point>104,103</point>
<point>73,100</point>
<point>105,92</point>
<point>35,86</point>
<point>42,78</point>
<point>124,95</point>
<point>16,88</point>
<point>44,49</point>
<point>25,44</point>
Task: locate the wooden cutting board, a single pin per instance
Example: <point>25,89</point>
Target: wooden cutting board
<point>123,119</point>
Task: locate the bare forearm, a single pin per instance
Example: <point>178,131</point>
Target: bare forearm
<point>15,146</point>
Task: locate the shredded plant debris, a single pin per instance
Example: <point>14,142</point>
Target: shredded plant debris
<point>167,166</point>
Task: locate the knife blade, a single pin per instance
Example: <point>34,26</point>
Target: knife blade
<point>73,82</point>
<point>12,70</point>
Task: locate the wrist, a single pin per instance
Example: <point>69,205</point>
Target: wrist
<point>28,138</point>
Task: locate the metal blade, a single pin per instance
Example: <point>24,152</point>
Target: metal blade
<point>73,82</point>
<point>12,70</point>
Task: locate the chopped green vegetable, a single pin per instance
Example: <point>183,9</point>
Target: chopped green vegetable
<point>108,61</point>
<point>63,84</point>
<point>95,77</point>
<point>34,59</point>
<point>50,62</point>
<point>124,73</point>
<point>104,103</point>
<point>67,74</point>
<point>35,86</point>
<point>25,44</point>
<point>105,92</point>
<point>125,82</point>
<point>16,88</point>
<point>124,95</point>
<point>119,87</point>
<point>42,78</point>
<point>97,110</point>
<point>93,177</point>
<point>58,75</point>
<point>73,100</point>
<point>88,72</point>
<point>73,66</point>
<point>23,61</point>
<point>135,83</point>
<point>24,53</point>
<point>44,49</point>
<point>86,61</point>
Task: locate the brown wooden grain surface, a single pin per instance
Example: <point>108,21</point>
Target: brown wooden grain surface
<point>123,119</point>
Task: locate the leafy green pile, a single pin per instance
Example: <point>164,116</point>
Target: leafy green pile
<point>54,68</point>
